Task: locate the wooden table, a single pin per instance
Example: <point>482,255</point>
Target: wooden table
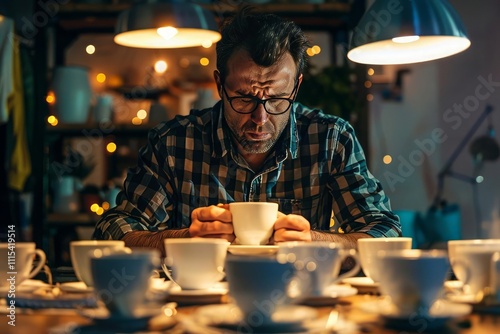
<point>41,321</point>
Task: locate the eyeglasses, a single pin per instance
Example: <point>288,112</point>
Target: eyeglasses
<point>273,105</point>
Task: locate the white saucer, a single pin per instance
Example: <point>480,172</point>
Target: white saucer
<point>439,314</point>
<point>288,318</point>
<point>220,288</point>
<point>75,287</point>
<point>360,282</point>
<point>330,295</point>
<point>466,298</point>
<point>253,250</point>
<point>453,285</point>
<point>28,285</point>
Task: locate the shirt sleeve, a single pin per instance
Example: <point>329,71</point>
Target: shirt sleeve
<point>143,203</point>
<point>359,202</point>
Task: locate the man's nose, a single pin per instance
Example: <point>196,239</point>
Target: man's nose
<point>259,115</point>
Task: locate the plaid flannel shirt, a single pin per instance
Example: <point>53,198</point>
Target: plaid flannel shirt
<point>317,169</point>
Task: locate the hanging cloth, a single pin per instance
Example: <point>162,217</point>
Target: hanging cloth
<point>20,161</point>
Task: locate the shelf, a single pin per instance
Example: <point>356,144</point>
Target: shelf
<point>89,130</point>
<point>72,219</point>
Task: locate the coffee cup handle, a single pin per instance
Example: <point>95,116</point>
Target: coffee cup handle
<point>41,262</point>
<point>354,270</point>
<point>167,271</point>
<point>462,265</point>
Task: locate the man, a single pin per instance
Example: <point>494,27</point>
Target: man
<point>256,144</point>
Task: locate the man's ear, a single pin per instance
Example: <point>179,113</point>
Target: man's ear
<point>218,82</point>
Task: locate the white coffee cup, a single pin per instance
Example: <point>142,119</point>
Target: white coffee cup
<point>121,280</point>
<point>454,245</point>
<point>253,221</point>
<point>259,286</point>
<point>80,252</point>
<point>473,263</point>
<point>196,263</point>
<point>318,263</point>
<point>368,248</point>
<point>413,278</point>
<point>16,264</point>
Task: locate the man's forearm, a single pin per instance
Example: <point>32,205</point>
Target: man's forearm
<point>349,240</point>
<point>153,239</point>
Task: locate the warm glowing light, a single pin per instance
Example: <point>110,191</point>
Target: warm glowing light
<point>111,147</point>
<point>101,77</point>
<point>90,49</point>
<point>387,159</point>
<point>136,121</point>
<point>52,120</point>
<point>100,211</point>
<point>167,32</point>
<point>206,44</point>
<point>94,207</point>
<point>142,114</point>
<point>51,98</point>
<point>184,62</point>
<point>161,66</point>
<point>204,61</point>
<point>391,52</point>
<point>105,205</point>
<point>405,39</point>
<point>370,71</point>
<point>368,83</point>
<point>369,97</point>
<point>316,49</point>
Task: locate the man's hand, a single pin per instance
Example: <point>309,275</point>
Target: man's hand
<point>212,222</point>
<point>291,228</point>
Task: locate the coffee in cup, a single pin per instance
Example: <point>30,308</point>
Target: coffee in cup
<point>253,222</point>
<point>368,248</point>
<point>196,263</point>
<point>121,280</point>
<point>412,278</point>
<point>259,286</point>
<point>81,251</point>
<point>318,263</point>
<point>16,264</point>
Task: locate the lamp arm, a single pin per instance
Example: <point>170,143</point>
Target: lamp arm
<point>446,170</point>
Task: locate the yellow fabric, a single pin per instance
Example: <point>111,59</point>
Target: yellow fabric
<point>20,162</point>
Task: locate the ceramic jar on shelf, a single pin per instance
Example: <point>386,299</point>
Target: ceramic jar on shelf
<point>73,94</point>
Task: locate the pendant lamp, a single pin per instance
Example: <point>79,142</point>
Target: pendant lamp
<point>164,24</point>
<point>395,32</point>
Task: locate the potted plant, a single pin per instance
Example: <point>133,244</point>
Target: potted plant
<point>333,89</point>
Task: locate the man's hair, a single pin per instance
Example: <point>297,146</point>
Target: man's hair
<point>266,37</point>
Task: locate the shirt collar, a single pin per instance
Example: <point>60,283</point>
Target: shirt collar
<point>222,138</point>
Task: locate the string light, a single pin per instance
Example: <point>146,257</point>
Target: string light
<point>90,49</point>
<point>101,77</point>
<point>204,61</point>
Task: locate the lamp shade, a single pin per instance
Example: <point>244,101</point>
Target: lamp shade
<point>166,24</point>
<point>395,32</point>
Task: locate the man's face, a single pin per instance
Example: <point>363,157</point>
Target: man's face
<point>258,131</point>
